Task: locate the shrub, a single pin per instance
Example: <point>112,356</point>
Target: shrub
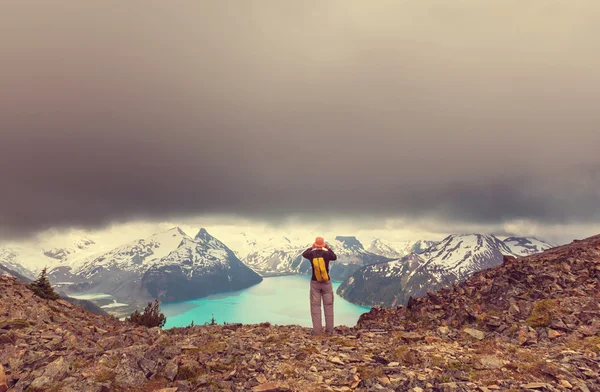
<point>152,317</point>
<point>42,287</point>
<point>543,312</point>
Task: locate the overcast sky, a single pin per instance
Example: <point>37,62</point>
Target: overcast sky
<point>451,115</point>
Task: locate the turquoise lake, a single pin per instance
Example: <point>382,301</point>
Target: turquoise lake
<point>282,300</point>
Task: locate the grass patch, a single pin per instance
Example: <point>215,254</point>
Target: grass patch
<point>80,363</point>
<point>399,353</point>
<point>54,387</point>
<point>512,330</point>
<point>438,361</point>
<point>487,347</point>
<point>367,372</point>
<point>590,343</point>
<point>105,375</point>
<point>189,372</point>
<point>458,365</point>
<point>288,370</point>
<point>543,313</point>
<point>14,323</point>
<point>111,362</point>
<point>210,347</point>
<point>275,339</point>
<point>163,340</point>
<point>153,385</point>
<point>486,376</point>
<point>343,342</point>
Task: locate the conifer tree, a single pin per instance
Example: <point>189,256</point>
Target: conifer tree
<point>42,287</point>
<point>152,317</point>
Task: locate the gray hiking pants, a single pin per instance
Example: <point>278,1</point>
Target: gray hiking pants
<point>321,291</point>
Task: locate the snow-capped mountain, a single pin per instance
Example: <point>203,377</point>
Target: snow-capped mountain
<point>197,268</point>
<point>398,249</point>
<point>29,258</point>
<point>451,260</point>
<point>169,265</point>
<point>132,257</point>
<point>278,258</point>
<point>525,246</point>
<point>7,271</point>
<point>284,256</point>
<point>462,255</point>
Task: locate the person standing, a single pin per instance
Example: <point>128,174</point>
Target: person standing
<point>321,289</point>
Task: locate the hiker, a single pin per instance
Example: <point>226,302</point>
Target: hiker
<point>319,255</point>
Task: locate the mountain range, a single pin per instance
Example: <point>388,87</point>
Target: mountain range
<point>169,265</point>
<point>284,257</point>
<point>449,261</point>
<point>172,266</point>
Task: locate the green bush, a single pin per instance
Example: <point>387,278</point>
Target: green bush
<point>152,316</point>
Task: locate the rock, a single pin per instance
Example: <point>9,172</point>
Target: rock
<point>553,334</point>
<point>336,361</point>
<point>5,338</point>
<point>393,364</point>
<point>565,384</point>
<point>443,330</point>
<point>3,380</point>
<point>535,385</point>
<point>270,386</point>
<point>166,390</point>
<point>491,362</point>
<point>411,336</point>
<point>432,339</point>
<point>170,370</point>
<point>261,378</point>
<point>40,383</point>
<point>129,377</point>
<point>147,365</point>
<point>582,387</point>
<point>384,380</point>
<point>14,324</point>
<point>57,370</point>
<point>411,357</point>
<point>449,386</point>
<point>475,333</point>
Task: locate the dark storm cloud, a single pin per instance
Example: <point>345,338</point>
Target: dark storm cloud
<point>463,111</point>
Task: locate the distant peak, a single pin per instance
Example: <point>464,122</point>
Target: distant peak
<point>175,230</point>
<point>203,235</point>
<point>349,241</point>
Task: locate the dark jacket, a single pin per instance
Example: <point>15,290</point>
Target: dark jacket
<point>326,254</point>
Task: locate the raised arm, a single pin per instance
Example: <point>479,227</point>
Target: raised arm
<point>332,255</point>
<point>306,253</point>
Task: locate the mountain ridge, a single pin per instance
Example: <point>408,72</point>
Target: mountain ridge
<point>450,260</point>
<point>168,265</point>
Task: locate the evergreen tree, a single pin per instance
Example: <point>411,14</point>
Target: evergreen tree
<point>152,317</point>
<point>42,287</point>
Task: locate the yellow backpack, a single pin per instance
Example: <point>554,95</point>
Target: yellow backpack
<point>320,269</point>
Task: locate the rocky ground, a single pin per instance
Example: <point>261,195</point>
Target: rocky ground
<point>531,324</point>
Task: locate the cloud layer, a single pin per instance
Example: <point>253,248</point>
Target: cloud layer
<point>458,112</point>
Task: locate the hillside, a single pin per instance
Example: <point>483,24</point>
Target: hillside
<point>531,325</point>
